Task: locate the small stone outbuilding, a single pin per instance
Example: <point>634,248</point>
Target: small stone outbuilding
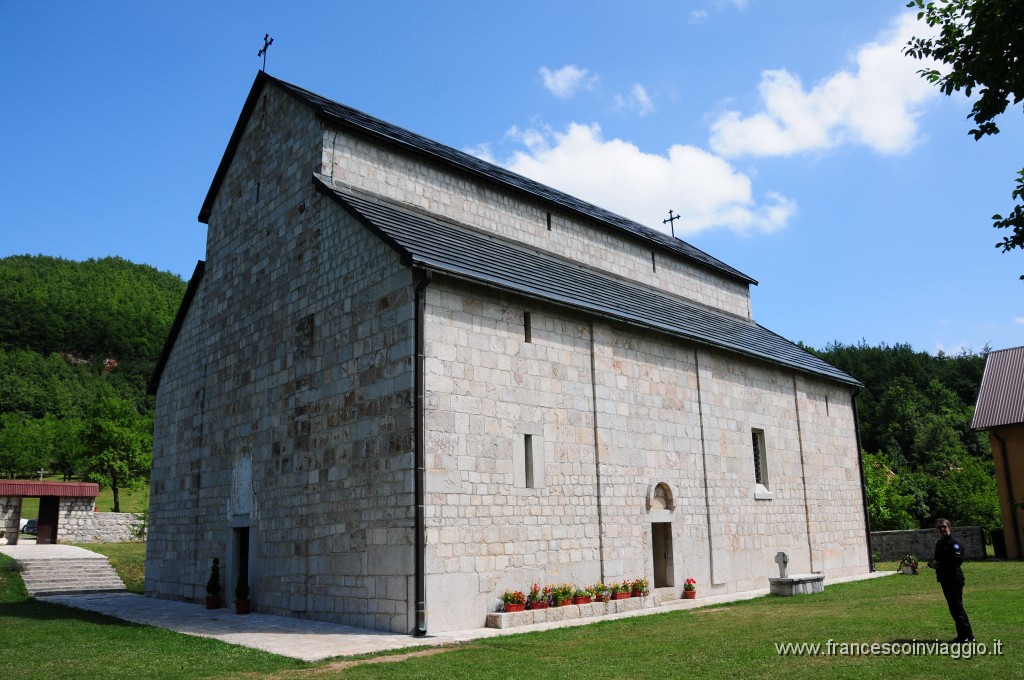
<point>63,507</point>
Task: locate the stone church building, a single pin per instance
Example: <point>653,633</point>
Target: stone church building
<point>405,379</point>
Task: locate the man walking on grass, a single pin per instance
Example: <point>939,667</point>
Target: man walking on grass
<point>949,555</point>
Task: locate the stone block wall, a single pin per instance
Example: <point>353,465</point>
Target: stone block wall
<point>666,413</point>
<point>891,546</point>
<point>80,524</point>
<point>285,407</point>
<point>355,161</point>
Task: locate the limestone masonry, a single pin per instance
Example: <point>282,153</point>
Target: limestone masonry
<point>381,403</point>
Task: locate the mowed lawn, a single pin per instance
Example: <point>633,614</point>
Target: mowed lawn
<point>731,641</point>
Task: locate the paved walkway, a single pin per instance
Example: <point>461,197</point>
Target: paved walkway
<point>315,640</point>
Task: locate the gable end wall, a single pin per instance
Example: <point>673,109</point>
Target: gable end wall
<point>286,404</point>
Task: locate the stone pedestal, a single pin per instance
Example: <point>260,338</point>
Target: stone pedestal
<point>798,584</point>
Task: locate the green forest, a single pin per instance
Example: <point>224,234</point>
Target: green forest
<point>921,459</point>
<point>79,341</point>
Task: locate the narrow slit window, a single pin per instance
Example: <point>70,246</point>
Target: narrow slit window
<point>760,459</point>
<point>826,405</point>
<point>654,265</point>
<point>527,330</point>
<point>549,221</point>
<point>529,461</point>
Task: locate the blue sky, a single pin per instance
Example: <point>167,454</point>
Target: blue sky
<point>796,141</point>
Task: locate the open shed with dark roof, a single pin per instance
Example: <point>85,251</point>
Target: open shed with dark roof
<point>1000,412</point>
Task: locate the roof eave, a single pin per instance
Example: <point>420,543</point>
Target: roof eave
<point>229,152</point>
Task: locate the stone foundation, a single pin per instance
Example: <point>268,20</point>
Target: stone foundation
<point>570,611</point>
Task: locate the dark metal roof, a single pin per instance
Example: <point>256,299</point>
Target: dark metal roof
<point>1001,397</point>
<point>347,117</point>
<point>464,253</point>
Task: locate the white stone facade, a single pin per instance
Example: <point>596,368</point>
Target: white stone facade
<point>286,430</point>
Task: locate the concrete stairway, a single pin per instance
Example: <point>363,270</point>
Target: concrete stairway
<point>61,575</point>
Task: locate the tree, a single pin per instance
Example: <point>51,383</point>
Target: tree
<point>25,444</point>
<point>889,500</point>
<point>982,44</point>
<point>118,447</point>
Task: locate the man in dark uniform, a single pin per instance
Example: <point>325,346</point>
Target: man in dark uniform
<point>949,555</point>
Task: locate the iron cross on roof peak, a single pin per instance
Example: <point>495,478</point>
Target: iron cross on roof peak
<point>671,222</point>
<point>263,53</point>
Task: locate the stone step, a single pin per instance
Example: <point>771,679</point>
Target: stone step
<point>44,576</point>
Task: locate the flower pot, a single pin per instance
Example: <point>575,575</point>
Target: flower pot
<point>243,606</point>
<point>690,594</point>
<point>512,607</point>
<point>563,603</point>
<point>213,601</point>
<point>581,600</point>
<point>539,605</point>
<point>620,596</point>
<point>909,570</point>
<point>637,593</point>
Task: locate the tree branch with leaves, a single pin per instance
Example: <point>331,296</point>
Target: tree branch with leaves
<point>979,49</point>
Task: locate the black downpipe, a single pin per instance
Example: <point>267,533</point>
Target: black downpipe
<point>420,457</point>
<point>860,468</point>
<point>1009,495</point>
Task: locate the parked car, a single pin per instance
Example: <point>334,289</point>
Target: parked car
<point>21,525</point>
<point>31,527</point>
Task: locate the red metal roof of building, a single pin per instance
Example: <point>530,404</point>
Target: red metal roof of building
<point>23,487</point>
<point>1001,397</point>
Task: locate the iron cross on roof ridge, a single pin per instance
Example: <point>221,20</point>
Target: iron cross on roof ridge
<point>263,53</point>
<point>671,222</point>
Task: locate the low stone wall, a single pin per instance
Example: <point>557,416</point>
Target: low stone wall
<point>891,546</point>
<point>85,526</point>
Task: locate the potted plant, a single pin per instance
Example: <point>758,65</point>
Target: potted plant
<point>582,596</point>
<point>213,586</point>
<point>563,594</point>
<point>514,600</point>
<point>690,589</point>
<point>242,603</point>
<point>540,598</point>
<point>640,587</point>
<point>601,592</point>
<point>620,591</point>
<point>908,565</point>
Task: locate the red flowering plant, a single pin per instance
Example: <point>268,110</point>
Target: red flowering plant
<point>540,595</point>
<point>641,585</point>
<point>691,584</point>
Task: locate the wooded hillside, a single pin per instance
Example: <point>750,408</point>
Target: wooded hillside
<point>78,343</point>
<point>922,459</point>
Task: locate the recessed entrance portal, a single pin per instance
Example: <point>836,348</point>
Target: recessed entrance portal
<point>242,559</point>
<point>661,547</point>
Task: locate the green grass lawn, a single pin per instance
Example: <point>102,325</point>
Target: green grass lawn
<point>128,559</point>
<point>728,641</point>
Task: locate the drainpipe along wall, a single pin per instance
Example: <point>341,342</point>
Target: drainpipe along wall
<point>420,455</point>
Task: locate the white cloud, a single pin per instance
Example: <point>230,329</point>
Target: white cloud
<point>698,15</point>
<point>1019,320</point>
<point>876,105</point>
<point>637,101</point>
<point>564,82</point>
<point>618,176</point>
